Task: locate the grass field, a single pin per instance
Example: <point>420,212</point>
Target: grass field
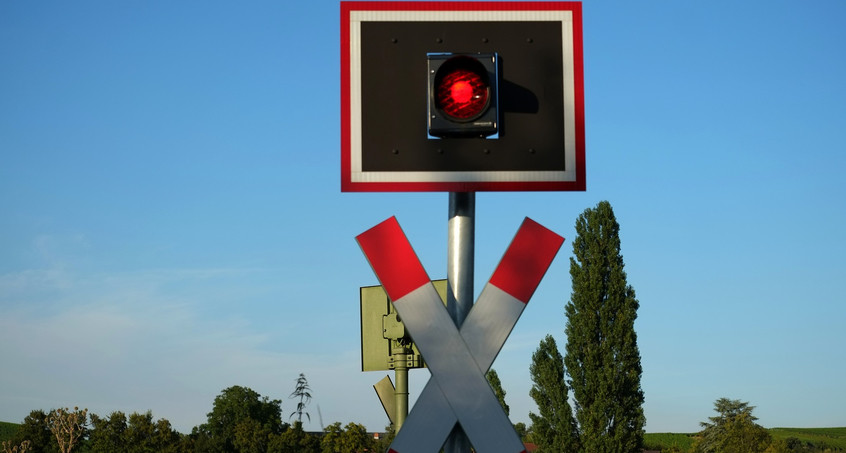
<point>7,430</point>
<point>821,438</point>
<point>834,438</point>
<point>662,441</point>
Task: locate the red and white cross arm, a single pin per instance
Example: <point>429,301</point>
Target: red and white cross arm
<point>485,330</point>
<point>459,359</point>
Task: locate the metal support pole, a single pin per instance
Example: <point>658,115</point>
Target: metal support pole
<point>461,242</point>
<point>401,391</point>
<point>460,264</point>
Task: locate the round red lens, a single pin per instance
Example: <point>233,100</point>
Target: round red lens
<point>462,93</point>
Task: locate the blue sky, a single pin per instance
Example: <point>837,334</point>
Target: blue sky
<point>171,221</point>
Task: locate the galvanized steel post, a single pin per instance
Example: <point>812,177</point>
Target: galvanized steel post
<point>461,240</point>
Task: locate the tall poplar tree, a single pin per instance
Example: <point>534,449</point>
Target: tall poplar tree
<point>602,356</point>
<point>553,430</point>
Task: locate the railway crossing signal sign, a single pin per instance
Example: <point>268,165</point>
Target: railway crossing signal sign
<point>458,359</point>
<point>458,97</point>
<point>461,96</point>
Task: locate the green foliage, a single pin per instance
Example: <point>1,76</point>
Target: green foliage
<point>784,440</point>
<point>241,421</point>
<point>385,441</point>
<point>331,438</point>
<point>107,434</point>
<point>36,430</point>
<point>257,427</point>
<point>733,430</point>
<point>811,439</point>
<point>353,438</point>
<point>239,415</point>
<point>602,357</point>
<point>137,434</point>
<point>8,430</point>
<point>522,431</point>
<point>68,427</point>
<point>356,439</point>
<point>251,436</point>
<point>294,440</point>
<point>554,429</point>
<point>144,435</point>
<point>668,442</point>
<point>198,441</point>
<point>496,386</point>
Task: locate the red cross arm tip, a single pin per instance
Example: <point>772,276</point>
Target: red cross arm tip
<point>526,260</point>
<point>392,259</point>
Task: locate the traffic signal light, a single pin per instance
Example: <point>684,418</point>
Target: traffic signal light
<point>463,94</point>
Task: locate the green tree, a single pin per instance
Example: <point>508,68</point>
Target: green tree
<point>733,430</point>
<point>167,439</point>
<point>140,433</point>
<point>302,393</point>
<point>554,429</point>
<point>35,430</point>
<point>251,436</point>
<point>68,427</point>
<point>355,439</point>
<point>602,356</point>
<point>137,434</point>
<point>522,431</point>
<point>385,441</point>
<point>107,434</point>
<point>143,435</point>
<point>331,440</point>
<point>352,439</point>
<point>233,406</point>
<point>496,386</point>
<point>294,440</point>
<point>794,445</point>
<point>199,441</point>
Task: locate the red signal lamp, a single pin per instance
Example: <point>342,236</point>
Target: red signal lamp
<point>463,95</point>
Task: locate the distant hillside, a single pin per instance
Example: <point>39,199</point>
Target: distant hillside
<point>666,441</point>
<point>834,438</point>
<point>819,438</point>
<point>7,430</point>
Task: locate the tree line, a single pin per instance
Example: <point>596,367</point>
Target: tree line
<point>241,421</point>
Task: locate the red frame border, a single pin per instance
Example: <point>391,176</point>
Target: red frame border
<point>579,105</point>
